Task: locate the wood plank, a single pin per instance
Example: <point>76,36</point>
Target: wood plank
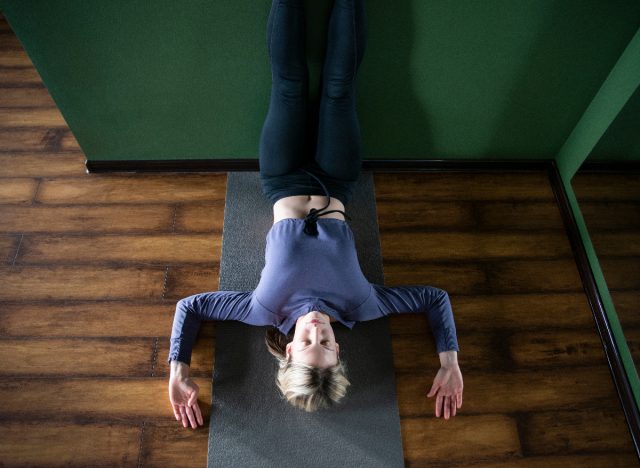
<point>26,97</point>
<point>15,58</point>
<point>98,357</point>
<point>616,244</point>
<point>202,356</point>
<point>42,164</point>
<point>455,277</point>
<point>202,217</point>
<point>590,186</point>
<point>185,281</point>
<point>9,41</point>
<point>85,219</point>
<point>4,25</point>
<point>592,429</point>
<point>148,248</point>
<point>462,438</point>
<point>556,347</point>
<point>68,141</point>
<point>535,276</point>
<point>514,391</point>
<point>45,443</point>
<point>417,353</point>
<point>80,282</point>
<point>456,185</point>
<point>450,246</point>
<point>170,444</point>
<point>87,319</point>
<point>517,311</point>
<point>610,215</point>
<point>520,215</point>
<point>29,139</point>
<point>8,247</point>
<point>133,188</point>
<point>18,190</point>
<point>416,214</point>
<point>498,277</point>
<point>590,460</point>
<point>626,303</point>
<point>35,117</point>
<point>90,398</point>
<point>621,273</point>
<point>20,76</point>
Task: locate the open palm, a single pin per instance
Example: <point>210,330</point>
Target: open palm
<point>183,393</point>
<point>447,387</point>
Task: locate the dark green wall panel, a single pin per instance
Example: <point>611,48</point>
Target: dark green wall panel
<point>621,142</point>
<point>440,79</point>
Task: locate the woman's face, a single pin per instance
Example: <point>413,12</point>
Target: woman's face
<point>313,342</point>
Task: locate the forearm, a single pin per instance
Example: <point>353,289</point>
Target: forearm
<point>179,370</point>
<point>441,322</point>
<point>186,324</point>
<point>448,359</point>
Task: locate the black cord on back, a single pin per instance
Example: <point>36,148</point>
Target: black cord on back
<point>310,221</point>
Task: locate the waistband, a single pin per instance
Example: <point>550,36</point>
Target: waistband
<point>310,226</point>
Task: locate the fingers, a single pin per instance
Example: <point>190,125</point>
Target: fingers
<point>193,398</point>
<point>176,411</point>
<point>190,416</point>
<point>183,415</point>
<point>446,405</point>
<point>198,413</point>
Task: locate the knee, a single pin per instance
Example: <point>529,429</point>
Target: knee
<point>339,88</point>
<point>291,87</point>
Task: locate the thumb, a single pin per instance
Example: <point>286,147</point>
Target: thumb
<point>434,389</point>
<point>193,398</point>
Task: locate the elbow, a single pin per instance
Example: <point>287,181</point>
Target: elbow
<point>442,295</point>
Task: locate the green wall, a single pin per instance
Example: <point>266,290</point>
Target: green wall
<point>440,80</point>
<point>621,141</point>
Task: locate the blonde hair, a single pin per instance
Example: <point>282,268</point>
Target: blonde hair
<point>306,387</point>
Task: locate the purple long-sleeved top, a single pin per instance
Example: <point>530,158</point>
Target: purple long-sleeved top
<point>304,273</point>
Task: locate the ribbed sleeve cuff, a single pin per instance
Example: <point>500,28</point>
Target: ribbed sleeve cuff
<point>447,341</point>
<point>178,354</point>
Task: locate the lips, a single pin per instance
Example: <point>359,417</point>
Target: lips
<point>315,321</point>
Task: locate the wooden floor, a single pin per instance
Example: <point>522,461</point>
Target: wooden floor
<point>610,204</point>
<point>94,264</point>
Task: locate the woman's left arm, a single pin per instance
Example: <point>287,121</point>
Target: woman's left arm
<point>435,304</point>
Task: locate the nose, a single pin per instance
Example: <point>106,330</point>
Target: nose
<point>315,331</point>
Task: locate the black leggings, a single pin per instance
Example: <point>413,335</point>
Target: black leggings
<point>284,146</point>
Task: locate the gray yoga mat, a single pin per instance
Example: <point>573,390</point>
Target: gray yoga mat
<point>251,425</point>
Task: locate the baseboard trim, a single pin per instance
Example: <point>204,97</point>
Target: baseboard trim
<point>383,165</point>
<point>611,352</point>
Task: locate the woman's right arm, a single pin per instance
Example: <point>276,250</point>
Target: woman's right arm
<point>192,310</point>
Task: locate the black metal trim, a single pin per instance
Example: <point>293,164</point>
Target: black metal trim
<point>609,166</point>
<point>172,165</point>
<point>611,352</point>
